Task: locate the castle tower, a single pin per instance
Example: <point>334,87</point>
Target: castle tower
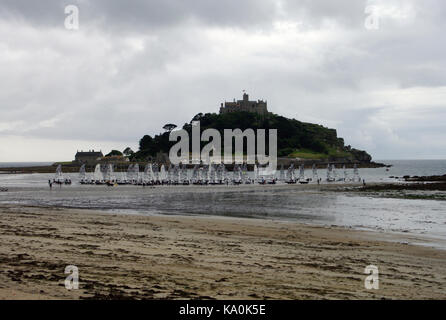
<point>244,105</point>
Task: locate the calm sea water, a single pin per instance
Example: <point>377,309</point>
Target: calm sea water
<point>303,203</point>
<point>23,164</point>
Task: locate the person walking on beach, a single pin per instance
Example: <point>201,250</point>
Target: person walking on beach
<point>50,184</point>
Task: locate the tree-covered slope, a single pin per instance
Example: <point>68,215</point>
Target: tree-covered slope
<point>295,138</point>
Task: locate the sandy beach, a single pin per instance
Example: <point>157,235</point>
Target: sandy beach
<point>176,257</point>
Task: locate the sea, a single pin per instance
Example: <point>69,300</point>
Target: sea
<point>24,164</point>
<point>311,204</point>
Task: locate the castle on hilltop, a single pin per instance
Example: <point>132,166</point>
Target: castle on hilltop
<point>259,106</point>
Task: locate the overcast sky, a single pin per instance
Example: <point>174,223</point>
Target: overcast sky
<point>133,66</point>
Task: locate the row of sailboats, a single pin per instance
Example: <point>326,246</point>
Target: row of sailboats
<point>213,174</point>
<point>159,175</point>
<point>332,176</point>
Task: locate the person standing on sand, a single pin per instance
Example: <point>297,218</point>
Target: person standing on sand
<point>50,184</point>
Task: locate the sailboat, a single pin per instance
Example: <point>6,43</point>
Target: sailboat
<point>330,177</point>
<point>82,175</point>
<point>163,175</point>
<point>346,178</point>
<point>315,175</point>
<point>290,175</point>
<point>58,178</point>
<point>237,175</point>
<point>184,177</point>
<point>110,179</point>
<point>136,176</point>
<point>302,179</point>
<point>98,175</point>
<point>156,174</point>
<point>356,176</point>
<point>256,173</point>
<point>148,177</point>
<point>195,175</point>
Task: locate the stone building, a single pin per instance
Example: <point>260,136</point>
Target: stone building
<point>259,106</point>
<point>89,157</point>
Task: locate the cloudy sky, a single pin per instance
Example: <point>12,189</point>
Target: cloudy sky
<point>374,70</point>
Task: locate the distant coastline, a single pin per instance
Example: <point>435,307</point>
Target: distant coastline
<point>26,167</point>
<point>25,164</point>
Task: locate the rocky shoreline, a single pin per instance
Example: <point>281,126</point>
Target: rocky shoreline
<point>416,187</point>
<point>426,178</point>
<point>338,162</point>
<point>440,186</point>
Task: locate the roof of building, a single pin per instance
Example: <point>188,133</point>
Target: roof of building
<point>89,154</point>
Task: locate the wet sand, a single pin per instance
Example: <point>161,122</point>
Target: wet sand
<point>176,257</point>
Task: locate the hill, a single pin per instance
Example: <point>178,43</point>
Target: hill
<point>295,139</point>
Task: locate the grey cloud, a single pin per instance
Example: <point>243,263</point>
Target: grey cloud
<point>315,12</point>
<point>143,15</point>
<point>134,66</point>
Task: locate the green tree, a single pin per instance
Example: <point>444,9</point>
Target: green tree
<point>128,151</point>
<point>169,127</point>
<point>114,153</point>
<point>292,135</point>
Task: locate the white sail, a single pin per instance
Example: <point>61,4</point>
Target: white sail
<point>82,174</point>
<point>163,174</point>
<point>195,174</point>
<point>329,173</point>
<point>200,174</point>
<point>356,176</point>
<point>315,175</point>
<point>130,172</point>
<point>208,173</point>
<point>184,175</point>
<point>58,176</point>
<point>155,172</point>
<point>301,172</point>
<point>136,172</point>
<point>148,173</point>
<point>290,173</point>
<point>97,173</point>
<point>109,173</point>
